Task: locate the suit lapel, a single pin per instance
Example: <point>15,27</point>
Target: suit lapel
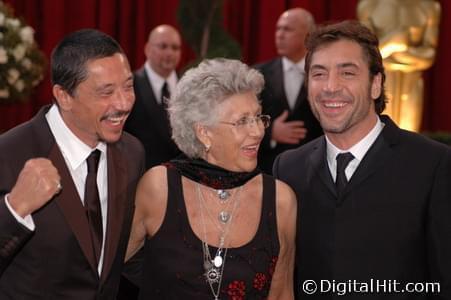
<point>277,80</point>
<point>147,94</point>
<point>379,152</point>
<point>319,163</point>
<point>155,112</point>
<point>117,200</point>
<point>302,96</point>
<point>279,89</point>
<point>72,208</point>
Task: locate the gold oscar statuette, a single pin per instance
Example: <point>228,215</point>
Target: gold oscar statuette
<point>408,35</point>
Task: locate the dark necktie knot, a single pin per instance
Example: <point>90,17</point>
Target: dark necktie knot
<point>93,161</point>
<point>341,181</point>
<point>343,159</point>
<point>165,94</point>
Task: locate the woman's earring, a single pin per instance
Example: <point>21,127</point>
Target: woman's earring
<point>207,148</point>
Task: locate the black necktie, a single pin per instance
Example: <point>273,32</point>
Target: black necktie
<point>92,203</point>
<point>165,95</point>
<point>343,160</point>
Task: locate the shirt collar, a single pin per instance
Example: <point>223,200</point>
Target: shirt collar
<point>288,64</point>
<point>72,148</point>
<point>157,81</point>
<point>358,150</point>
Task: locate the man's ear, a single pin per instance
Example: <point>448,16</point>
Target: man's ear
<point>376,86</point>
<point>61,96</point>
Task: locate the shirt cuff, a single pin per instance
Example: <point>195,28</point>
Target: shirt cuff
<point>27,221</point>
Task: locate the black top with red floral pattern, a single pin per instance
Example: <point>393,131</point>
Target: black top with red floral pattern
<point>173,263</point>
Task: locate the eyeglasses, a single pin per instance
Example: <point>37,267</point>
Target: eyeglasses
<point>260,120</point>
<point>164,46</point>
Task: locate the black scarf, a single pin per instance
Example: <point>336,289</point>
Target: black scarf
<point>210,175</point>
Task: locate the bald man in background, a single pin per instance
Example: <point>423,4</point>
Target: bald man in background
<point>153,83</point>
<point>284,97</point>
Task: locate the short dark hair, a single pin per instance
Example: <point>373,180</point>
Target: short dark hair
<point>356,32</point>
<point>69,58</point>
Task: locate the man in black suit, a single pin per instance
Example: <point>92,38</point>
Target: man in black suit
<point>284,96</point>
<point>153,84</point>
<point>68,179</point>
<point>374,200</point>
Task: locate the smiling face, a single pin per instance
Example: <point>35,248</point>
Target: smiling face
<point>340,91</point>
<point>235,148</point>
<point>101,103</point>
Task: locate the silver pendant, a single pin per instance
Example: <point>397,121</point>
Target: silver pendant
<point>212,275</point>
<point>223,195</point>
<point>217,261</point>
<point>224,217</point>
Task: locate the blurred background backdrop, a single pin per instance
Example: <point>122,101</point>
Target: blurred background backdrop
<point>250,23</point>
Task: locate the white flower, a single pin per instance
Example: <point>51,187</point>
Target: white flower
<point>12,22</point>
<point>13,75</point>
<point>19,85</point>
<point>26,63</point>
<point>21,62</point>
<point>3,56</point>
<point>27,34</point>
<point>19,52</point>
<point>4,93</point>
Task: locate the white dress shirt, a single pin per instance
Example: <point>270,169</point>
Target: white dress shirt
<point>26,221</point>
<point>156,81</point>
<point>358,151</point>
<point>293,79</point>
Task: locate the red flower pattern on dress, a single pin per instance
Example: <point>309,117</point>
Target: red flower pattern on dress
<point>236,290</point>
<point>272,266</point>
<point>260,281</point>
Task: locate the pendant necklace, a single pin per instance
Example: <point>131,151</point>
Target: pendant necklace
<point>224,217</point>
<point>214,267</point>
<point>224,197</point>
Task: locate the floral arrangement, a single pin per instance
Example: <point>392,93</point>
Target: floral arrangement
<point>21,62</point>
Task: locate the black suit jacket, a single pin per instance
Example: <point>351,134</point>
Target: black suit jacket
<point>56,260</point>
<point>149,122</point>
<point>274,102</point>
<point>392,223</point>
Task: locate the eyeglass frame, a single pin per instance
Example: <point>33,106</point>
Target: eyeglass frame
<point>248,122</point>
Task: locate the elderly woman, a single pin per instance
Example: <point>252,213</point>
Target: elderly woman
<point>213,226</point>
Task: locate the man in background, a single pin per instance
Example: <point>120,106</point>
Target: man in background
<point>68,179</point>
<point>153,84</point>
<point>284,96</point>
